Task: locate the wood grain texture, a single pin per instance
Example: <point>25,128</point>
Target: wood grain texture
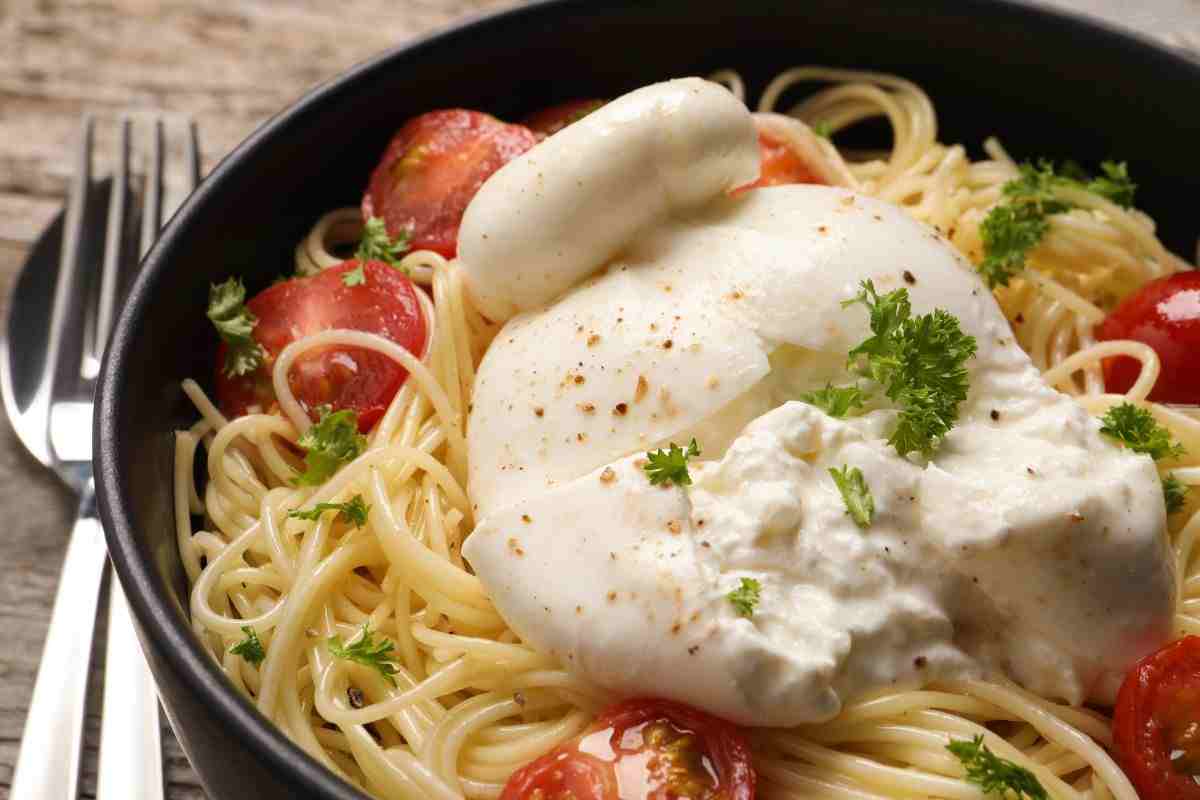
<point>230,65</point>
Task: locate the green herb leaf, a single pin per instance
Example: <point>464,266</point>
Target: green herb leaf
<point>1174,494</point>
<point>860,505</point>
<point>250,648</point>
<point>745,597</point>
<point>365,650</point>
<point>333,441</point>
<point>836,401</point>
<point>235,325</point>
<point>1114,184</point>
<point>920,363</point>
<point>671,465</point>
<point>355,277</point>
<point>376,245</point>
<point>1009,232</point>
<point>1037,184</point>
<point>995,775</point>
<point>1012,229</point>
<point>1137,429</point>
<point>822,128</point>
<point>354,512</point>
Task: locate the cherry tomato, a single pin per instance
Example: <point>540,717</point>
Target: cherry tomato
<point>780,164</point>
<point>343,377</point>
<point>432,168</point>
<point>643,750</point>
<point>1156,723</point>
<point>552,120</point>
<point>1164,314</point>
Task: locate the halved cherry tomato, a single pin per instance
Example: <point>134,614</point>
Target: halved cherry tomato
<point>643,750</point>
<point>553,119</point>
<point>780,164</point>
<point>343,377</point>
<point>1156,724</point>
<point>432,168</point>
<point>1164,314</point>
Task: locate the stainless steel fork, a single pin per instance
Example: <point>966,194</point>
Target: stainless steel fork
<point>54,421</point>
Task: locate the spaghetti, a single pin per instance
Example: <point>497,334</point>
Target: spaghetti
<point>468,703</point>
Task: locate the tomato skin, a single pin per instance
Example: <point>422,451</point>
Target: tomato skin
<point>780,164</point>
<point>1164,314</point>
<point>551,120</point>
<point>563,772</point>
<point>432,168</point>
<point>719,746</point>
<point>343,377</point>
<point>1158,705</point>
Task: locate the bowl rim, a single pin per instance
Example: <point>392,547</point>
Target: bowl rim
<point>154,609</point>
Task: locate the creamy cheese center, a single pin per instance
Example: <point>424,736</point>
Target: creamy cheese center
<point>1029,545</point>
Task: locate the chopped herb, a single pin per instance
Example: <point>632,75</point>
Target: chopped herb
<point>836,401</point>
<point>1137,429</point>
<point>1009,232</point>
<point>919,361</point>
<point>1038,182</point>
<point>355,277</point>
<point>1114,184</point>
<point>822,128</point>
<point>365,650</point>
<point>855,494</point>
<point>235,324</point>
<point>333,441</point>
<point>1174,493</point>
<point>995,775</point>
<point>250,648</point>
<point>671,465</point>
<point>745,597</point>
<point>354,512</point>
<point>376,245</point>
<point>1015,227</point>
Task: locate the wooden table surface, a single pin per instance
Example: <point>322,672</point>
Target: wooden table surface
<point>230,69</point>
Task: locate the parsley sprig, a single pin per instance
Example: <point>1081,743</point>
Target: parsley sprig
<point>1174,494</point>
<point>860,505</point>
<point>364,650</point>
<point>353,512</point>
<point>376,245</point>
<point>1016,226</point>
<point>1114,184</point>
<point>354,277</point>
<point>1137,429</point>
<point>745,597</point>
<point>996,775</point>
<point>333,441</point>
<point>235,325</point>
<point>671,465</point>
<point>250,648</point>
<point>920,363</point>
<point>836,401</point>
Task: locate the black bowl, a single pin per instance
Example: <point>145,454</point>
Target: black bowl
<point>1049,84</point>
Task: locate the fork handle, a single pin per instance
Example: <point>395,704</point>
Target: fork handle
<point>48,762</point>
<point>130,749</point>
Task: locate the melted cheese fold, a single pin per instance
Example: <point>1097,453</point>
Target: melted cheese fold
<point>1029,545</point>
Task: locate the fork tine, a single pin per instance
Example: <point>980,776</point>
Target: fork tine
<point>152,206</point>
<point>70,269</point>
<point>114,236</point>
<point>193,156</point>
